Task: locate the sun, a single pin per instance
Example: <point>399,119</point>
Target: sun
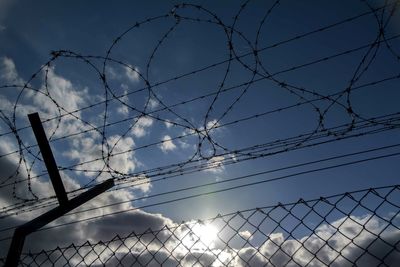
<point>202,237</point>
<point>206,233</point>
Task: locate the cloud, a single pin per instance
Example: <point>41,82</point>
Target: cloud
<point>359,239</point>
<point>42,188</point>
<point>167,144</point>
<point>88,149</point>
<point>8,72</point>
<point>153,103</point>
<point>96,230</point>
<point>59,90</point>
<point>123,109</point>
<point>141,182</point>
<point>246,234</point>
<point>168,124</point>
<point>140,128</point>
<point>338,244</point>
<point>2,27</point>
<point>215,164</point>
<point>132,73</point>
<point>62,91</point>
<point>111,73</point>
<point>11,168</point>
<point>212,124</point>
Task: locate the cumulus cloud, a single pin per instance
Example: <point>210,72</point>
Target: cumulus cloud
<point>8,72</point>
<point>62,91</point>
<point>153,103</point>
<point>85,148</point>
<point>123,109</point>
<point>168,124</point>
<point>9,195</point>
<point>339,244</point>
<point>89,149</point>
<point>343,242</point>
<point>246,234</point>
<point>140,182</point>
<point>59,90</point>
<point>111,73</point>
<point>141,126</point>
<point>212,124</point>
<point>167,144</point>
<point>132,73</point>
<point>127,73</point>
<point>96,230</point>
<point>215,164</point>
<point>10,166</point>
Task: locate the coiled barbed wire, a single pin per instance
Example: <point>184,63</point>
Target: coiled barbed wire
<point>207,146</point>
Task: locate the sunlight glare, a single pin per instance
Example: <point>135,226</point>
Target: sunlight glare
<point>206,232</point>
<point>203,237</point>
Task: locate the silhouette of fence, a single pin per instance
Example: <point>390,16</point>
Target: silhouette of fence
<point>360,228</point>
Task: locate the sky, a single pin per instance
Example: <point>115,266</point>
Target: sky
<point>163,96</point>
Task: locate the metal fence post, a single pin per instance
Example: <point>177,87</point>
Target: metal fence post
<point>65,205</point>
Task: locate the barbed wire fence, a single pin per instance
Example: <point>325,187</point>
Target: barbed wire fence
<point>276,238</point>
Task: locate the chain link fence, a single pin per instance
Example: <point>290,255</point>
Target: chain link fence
<point>360,228</point>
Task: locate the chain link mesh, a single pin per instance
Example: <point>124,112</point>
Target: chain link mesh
<point>360,228</point>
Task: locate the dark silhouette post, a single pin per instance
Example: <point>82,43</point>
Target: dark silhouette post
<point>65,205</point>
<point>48,158</point>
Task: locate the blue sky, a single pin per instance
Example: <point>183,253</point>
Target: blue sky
<point>316,64</point>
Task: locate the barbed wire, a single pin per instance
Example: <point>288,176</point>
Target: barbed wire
<point>203,136</point>
<point>262,150</point>
<point>221,104</point>
<point>6,213</point>
<point>96,217</point>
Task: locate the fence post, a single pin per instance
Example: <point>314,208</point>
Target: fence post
<point>65,205</point>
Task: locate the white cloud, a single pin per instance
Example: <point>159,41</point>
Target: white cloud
<point>59,90</point>
<point>84,148</point>
<point>140,128</point>
<point>141,182</point>
<point>8,71</point>
<point>185,245</point>
<point>153,103</point>
<point>123,109</point>
<point>168,124</point>
<point>111,73</point>
<point>212,124</point>
<point>42,188</point>
<point>89,148</point>
<point>215,164</point>
<point>63,92</point>
<point>347,237</point>
<point>167,144</point>
<point>329,244</point>
<point>246,234</point>
<point>77,232</point>
<point>132,73</point>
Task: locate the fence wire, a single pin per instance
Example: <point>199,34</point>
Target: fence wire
<point>360,228</point>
